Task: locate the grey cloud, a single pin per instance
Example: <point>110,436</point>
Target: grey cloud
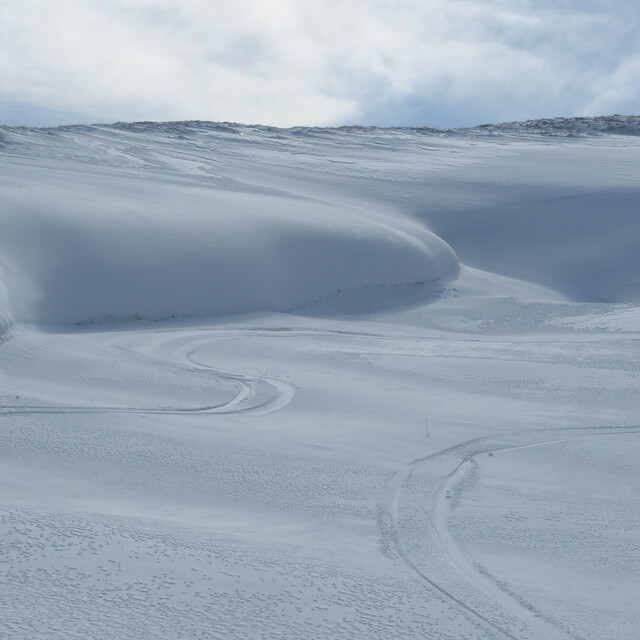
<point>286,62</point>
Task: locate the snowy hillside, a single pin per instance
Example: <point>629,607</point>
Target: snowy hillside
<point>320,383</point>
<point>237,218</point>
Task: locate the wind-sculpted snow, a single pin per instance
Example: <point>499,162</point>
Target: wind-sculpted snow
<point>112,232</point>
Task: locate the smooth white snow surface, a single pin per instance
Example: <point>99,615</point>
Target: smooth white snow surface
<point>320,383</point>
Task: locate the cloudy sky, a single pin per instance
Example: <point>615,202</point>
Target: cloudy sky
<point>312,62</point>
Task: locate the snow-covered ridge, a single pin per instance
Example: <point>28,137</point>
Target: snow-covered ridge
<point>568,127</point>
<point>625,125</point>
<point>628,125</point>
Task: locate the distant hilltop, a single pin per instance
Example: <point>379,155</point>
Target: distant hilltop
<point>627,125</point>
<point>585,126</point>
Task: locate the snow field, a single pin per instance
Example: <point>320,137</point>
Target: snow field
<point>221,348</point>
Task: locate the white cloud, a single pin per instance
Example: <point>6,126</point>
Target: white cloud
<point>288,62</point>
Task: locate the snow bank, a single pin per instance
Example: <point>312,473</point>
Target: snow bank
<point>83,245</point>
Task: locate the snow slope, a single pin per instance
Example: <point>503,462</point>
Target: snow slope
<point>240,218</point>
<point>320,383</point>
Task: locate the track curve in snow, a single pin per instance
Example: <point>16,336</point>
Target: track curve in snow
<point>460,458</point>
<point>255,394</point>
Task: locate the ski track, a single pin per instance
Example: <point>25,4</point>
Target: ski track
<point>247,400</point>
<point>438,532</point>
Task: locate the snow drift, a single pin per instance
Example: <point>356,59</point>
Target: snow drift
<point>82,246</point>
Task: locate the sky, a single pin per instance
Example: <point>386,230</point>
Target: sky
<point>447,63</point>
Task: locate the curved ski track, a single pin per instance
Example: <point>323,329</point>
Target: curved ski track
<point>464,455</point>
<point>276,393</point>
